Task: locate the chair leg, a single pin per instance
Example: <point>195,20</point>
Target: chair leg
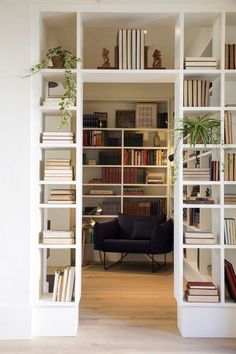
<point>123,255</point>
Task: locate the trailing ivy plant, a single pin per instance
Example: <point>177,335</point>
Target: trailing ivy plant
<point>69,61</point>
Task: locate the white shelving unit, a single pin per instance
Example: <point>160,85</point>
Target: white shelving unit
<point>192,34</point>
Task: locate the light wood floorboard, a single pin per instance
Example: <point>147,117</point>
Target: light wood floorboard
<point>126,310</point>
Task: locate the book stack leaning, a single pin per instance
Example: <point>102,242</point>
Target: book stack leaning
<point>201,291</point>
<point>64,283</point>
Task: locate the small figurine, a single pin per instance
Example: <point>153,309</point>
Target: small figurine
<point>207,192</point>
<point>106,60</point>
<point>157,59</point>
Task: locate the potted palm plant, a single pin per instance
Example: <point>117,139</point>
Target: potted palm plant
<point>59,57</point>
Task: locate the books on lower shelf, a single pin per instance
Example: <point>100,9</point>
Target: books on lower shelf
<point>230,56</point>
<point>200,63</point>
<point>201,292</point>
<point>230,167</point>
<point>57,169</point>
<point>229,231</point>
<point>62,196</point>
<point>54,237</point>
<point>228,130</point>
<point>58,137</point>
<point>196,93</point>
<point>199,238</point>
<point>64,283</point>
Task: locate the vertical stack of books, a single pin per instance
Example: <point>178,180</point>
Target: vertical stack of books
<point>131,51</point>
<point>200,63</point>
<point>230,166</point>
<point>199,238</point>
<point>196,174</point>
<point>228,131</point>
<point>201,291</point>
<point>196,93</point>
<point>58,137</point>
<point>154,178</point>
<point>229,231</point>
<point>230,56</point>
<point>51,237</point>
<point>62,196</point>
<point>64,282</point>
<point>57,169</point>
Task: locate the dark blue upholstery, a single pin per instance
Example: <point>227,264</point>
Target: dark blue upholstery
<point>127,246</point>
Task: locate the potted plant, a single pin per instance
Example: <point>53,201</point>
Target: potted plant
<point>61,58</point>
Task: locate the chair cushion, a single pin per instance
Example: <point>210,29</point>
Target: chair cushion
<point>142,230</point>
<point>126,223</point>
<point>129,246</point>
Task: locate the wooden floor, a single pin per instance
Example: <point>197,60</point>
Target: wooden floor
<point>126,310</point>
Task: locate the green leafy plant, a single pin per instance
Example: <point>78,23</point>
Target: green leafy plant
<point>68,61</point>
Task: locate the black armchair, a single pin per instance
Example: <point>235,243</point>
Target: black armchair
<point>150,235</point>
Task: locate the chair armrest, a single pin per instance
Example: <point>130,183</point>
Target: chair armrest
<point>162,237</point>
<point>103,230</point>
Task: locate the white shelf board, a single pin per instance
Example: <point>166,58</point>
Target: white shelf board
<point>145,148</point>
<point>91,166</point>
<point>201,304</point>
<point>46,300</point>
<point>200,147</point>
<point>165,130</point>
<point>202,74</point>
<point>215,246</point>
<point>205,206</point>
<point>101,196</point>
<point>147,166</point>
<point>99,216</point>
<point>128,76</point>
<point>102,147</point>
<point>57,182</point>
<point>202,183</point>
<point>57,146</point>
<point>145,185</point>
<point>102,184</point>
<point>229,206</point>
<point>230,247</point>
<point>57,206</point>
<point>230,183</point>
<point>53,74</point>
<point>42,246</point>
<point>230,108</point>
<point>144,196</point>
<point>54,110</point>
<point>229,146</point>
<point>201,110</point>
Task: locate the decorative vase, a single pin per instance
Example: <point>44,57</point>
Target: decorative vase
<point>58,62</point>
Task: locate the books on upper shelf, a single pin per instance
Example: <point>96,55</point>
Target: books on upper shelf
<point>199,238</point>
<point>230,166</point>
<point>145,157</point>
<point>201,292</point>
<point>64,282</point>
<point>58,169</point>
<point>230,56</point>
<point>62,196</point>
<point>95,120</point>
<point>228,130</point>
<point>196,93</point>
<point>58,137</point>
<point>53,237</point>
<point>200,63</point>
<point>196,174</point>
<point>229,231</point>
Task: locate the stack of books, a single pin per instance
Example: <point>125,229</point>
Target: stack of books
<point>199,238</point>
<point>229,231</point>
<point>101,192</point>
<point>196,174</point>
<point>201,291</point>
<point>154,177</point>
<point>228,131</point>
<point>64,282</point>
<point>230,166</point>
<point>196,93</point>
<point>131,51</point>
<point>62,196</point>
<point>200,63</point>
<point>230,56</point>
<point>50,237</point>
<point>230,198</point>
<point>58,137</point>
<point>57,169</point>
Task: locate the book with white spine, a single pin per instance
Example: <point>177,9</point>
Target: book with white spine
<point>70,284</point>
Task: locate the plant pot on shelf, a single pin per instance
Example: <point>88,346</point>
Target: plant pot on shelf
<point>58,62</point>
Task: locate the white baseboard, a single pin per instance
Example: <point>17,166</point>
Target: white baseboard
<point>15,322</point>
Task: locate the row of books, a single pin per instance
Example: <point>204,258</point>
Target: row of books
<point>54,237</point>
<point>145,207</point>
<point>133,191</point>
<point>230,167</point>
<point>229,231</point>
<point>95,120</point>
<point>200,63</point>
<point>228,131</point>
<point>197,291</point>
<point>198,238</point>
<point>133,139</point>
<point>111,207</point>
<point>196,93</point>
<point>64,282</point>
<point>109,158</point>
<point>196,174</point>
<point>145,157</point>
<point>62,196</point>
<point>111,175</point>
<point>58,169</point>
<point>130,44</point>
<point>135,175</point>
<point>94,138</point>
<point>230,56</point>
<point>57,137</point>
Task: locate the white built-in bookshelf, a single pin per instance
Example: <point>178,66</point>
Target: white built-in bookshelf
<point>177,35</point>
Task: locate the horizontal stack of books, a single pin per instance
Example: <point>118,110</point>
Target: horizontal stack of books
<point>62,196</point>
<point>133,175</point>
<point>196,174</point>
<point>133,139</point>
<point>145,207</point>
<point>200,63</point>
<point>109,158</point>
<point>145,157</point>
<point>154,177</point>
<point>50,237</point>
<point>198,238</point>
<point>230,56</point>
<point>228,131</point>
<point>201,291</point>
<point>198,200</point>
<point>57,169</point>
<point>64,282</point>
<point>230,166</point>
<point>133,191</point>
<point>131,53</point>
<point>230,198</point>
<point>101,192</point>
<point>58,137</point>
<point>95,120</point>
<point>196,93</point>
<point>229,231</point>
<point>111,207</point>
